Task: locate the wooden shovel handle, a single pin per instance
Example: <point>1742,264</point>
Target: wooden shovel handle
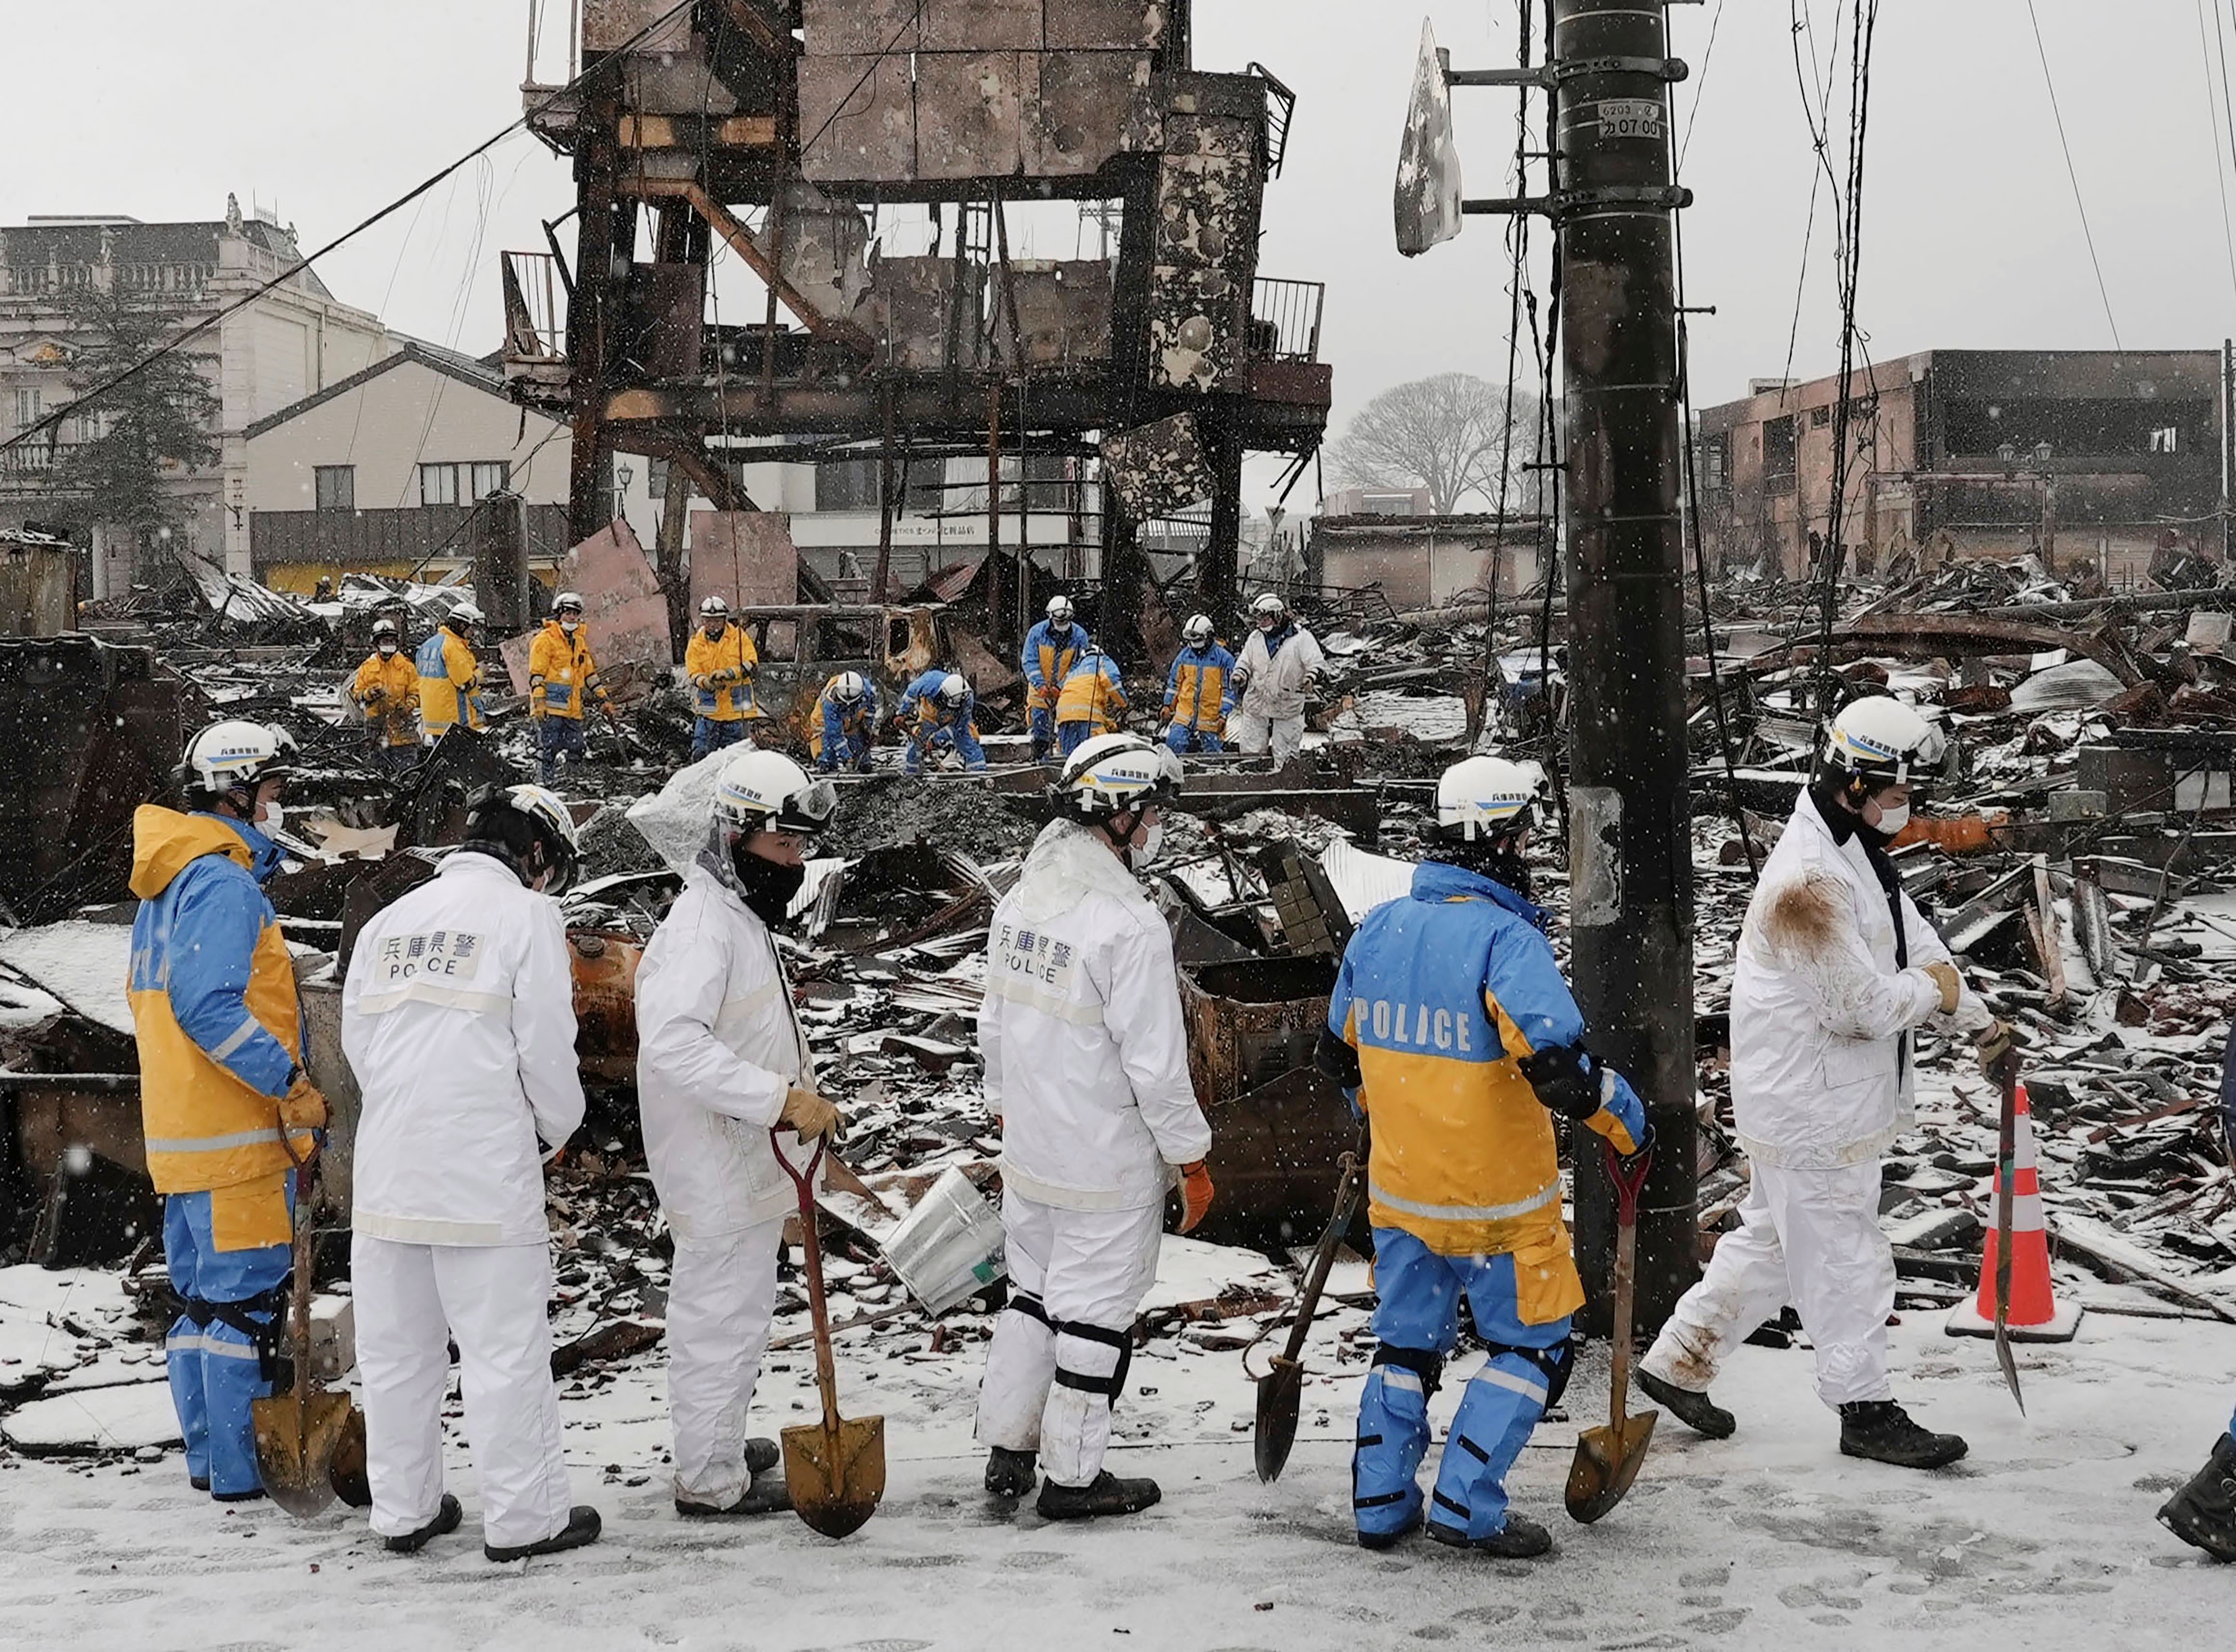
<point>826,1379</point>
<point>1629,1181</point>
<point>1353,1176</point>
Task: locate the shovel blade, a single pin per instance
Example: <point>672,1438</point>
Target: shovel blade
<point>297,1434</point>
<point>837,1471</point>
<point>1278,1396</point>
<point>1607,1461</point>
<point>348,1471</point>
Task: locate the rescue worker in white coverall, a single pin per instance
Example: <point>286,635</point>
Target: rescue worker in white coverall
<point>1086,1069</point>
<point>1836,968</point>
<point>1272,679</point>
<point>458,1020</point>
<point>721,1060</point>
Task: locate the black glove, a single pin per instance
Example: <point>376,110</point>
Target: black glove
<point>1563,1077</point>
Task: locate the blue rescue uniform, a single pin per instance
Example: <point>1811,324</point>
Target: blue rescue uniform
<point>926,723</point>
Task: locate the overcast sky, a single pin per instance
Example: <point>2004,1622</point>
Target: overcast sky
<point>1971,237</point>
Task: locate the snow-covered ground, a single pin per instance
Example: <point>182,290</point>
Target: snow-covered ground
<point>2043,1538</point>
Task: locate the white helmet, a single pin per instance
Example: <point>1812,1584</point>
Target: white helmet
<point>1111,773</point>
<point>465,613</point>
<point>849,688</point>
<point>767,790</point>
<point>549,821</point>
<point>1270,605</point>
<point>1880,738</point>
<point>566,600</point>
<point>1197,632</point>
<point>1480,797</point>
<point>713,608</point>
<point>384,629</point>
<point>953,692</point>
<point>236,755</point>
<point>1059,610</point>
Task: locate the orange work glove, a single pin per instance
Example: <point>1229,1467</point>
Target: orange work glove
<point>303,1108</point>
<point>1195,1194</point>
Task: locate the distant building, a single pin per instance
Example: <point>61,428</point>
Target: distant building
<point>289,343</point>
<point>1377,501</point>
<point>2095,458</point>
<point>1424,561</point>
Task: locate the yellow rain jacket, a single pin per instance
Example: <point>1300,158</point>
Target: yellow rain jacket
<point>721,670</point>
<point>394,707</point>
<point>561,673</point>
<point>449,678</point>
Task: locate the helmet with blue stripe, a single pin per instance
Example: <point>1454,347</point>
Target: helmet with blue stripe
<point>1112,774</point>
<point>1482,798</point>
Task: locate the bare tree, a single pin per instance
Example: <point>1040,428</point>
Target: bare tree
<point>1447,434</point>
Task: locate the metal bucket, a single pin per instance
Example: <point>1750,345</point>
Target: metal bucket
<point>950,1246</point>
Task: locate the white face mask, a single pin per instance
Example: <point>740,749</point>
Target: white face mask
<point>271,820</point>
<point>571,626</point>
<point>1138,856</point>
<point>1893,821</point>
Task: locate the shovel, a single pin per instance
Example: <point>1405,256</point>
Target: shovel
<point>2007,1080</point>
<point>1607,1459</point>
<point>299,1430</point>
<point>1282,1386</point>
<point>836,1467</point>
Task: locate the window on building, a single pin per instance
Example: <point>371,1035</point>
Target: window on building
<point>1819,417</point>
<point>490,476</point>
<point>925,491</point>
<point>1778,454</point>
<point>27,409</point>
<point>335,486</point>
<point>2166,438</point>
<point>439,484</point>
<point>846,484</point>
<point>1047,482</point>
<point>1715,463</point>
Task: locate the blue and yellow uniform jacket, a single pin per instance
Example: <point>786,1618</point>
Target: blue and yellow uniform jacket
<point>214,1002</point>
<point>1047,659</point>
<point>1199,692</point>
<point>921,702</point>
<point>835,727</point>
<point>1465,1034</point>
<point>450,683</point>
<point>1093,693</point>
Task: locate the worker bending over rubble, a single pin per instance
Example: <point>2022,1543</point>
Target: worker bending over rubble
<point>458,1020</point>
<point>1271,680</point>
<point>2203,1512</point>
<point>1453,1030</point>
<point>721,1060</point>
<point>1087,1074</point>
<point>386,690</point>
<point>1198,691</point>
<point>720,664</point>
<point>846,727</point>
<point>449,676</point>
<point>1052,648</point>
<point>1093,702</point>
<point>938,710</point>
<point>1836,966</point>
<point>220,1037</point>
<point>561,674</point>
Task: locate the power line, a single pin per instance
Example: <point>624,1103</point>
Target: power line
<point>2080,206</point>
<point>179,341</point>
<point>2219,175</point>
<point>1700,90</point>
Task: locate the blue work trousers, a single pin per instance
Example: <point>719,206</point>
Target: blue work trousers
<point>1044,732</point>
<point>1418,1314</point>
<point>557,737</point>
<point>961,738</point>
<point>1184,740</point>
<point>214,1366</point>
<point>707,735</point>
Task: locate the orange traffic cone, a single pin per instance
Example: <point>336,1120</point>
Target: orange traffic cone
<point>2035,1315</point>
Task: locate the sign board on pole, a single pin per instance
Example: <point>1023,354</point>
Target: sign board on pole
<point>1428,196</point>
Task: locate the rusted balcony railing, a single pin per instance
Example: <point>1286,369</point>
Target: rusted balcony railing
<point>1284,319</point>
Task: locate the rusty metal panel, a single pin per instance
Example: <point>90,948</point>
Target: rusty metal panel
<point>1104,25</point>
<point>607,25</point>
<point>1087,110</point>
<point>860,113</point>
<point>1195,328</point>
<point>625,614</point>
<point>745,557</point>
<point>1158,469</point>
<point>969,113</point>
<point>1063,313</point>
<point>849,27</point>
<point>911,308</point>
<point>1209,193</point>
<point>982,25</point>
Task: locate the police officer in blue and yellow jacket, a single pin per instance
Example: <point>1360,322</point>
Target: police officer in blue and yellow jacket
<point>220,1037</point>
<point>847,724</point>
<point>1453,1027</point>
<point>937,710</point>
<point>1052,648</point>
<point>1199,692</point>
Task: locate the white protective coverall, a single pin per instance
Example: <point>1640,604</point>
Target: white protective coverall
<point>1270,711</point>
<point>1087,1067</point>
<point>1821,1086</point>
<point>718,1048</point>
<point>458,1020</point>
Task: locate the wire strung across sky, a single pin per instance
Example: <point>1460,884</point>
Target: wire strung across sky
<point>53,422</point>
<point>2080,206</point>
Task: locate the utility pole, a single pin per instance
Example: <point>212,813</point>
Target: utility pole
<point>1610,197</point>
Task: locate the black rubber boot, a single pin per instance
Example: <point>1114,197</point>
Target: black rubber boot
<point>761,1456</point>
<point>1379,1541</point>
<point>1107,1495</point>
<point>2203,1513</point>
<point>768,1494</point>
<point>1520,1538</point>
<point>582,1527</point>
<point>447,1516</point>
<point>252,1495</point>
<point>1011,1474</point>
<point>200,1482</point>
<point>1882,1430</point>
<point>1689,1406</point>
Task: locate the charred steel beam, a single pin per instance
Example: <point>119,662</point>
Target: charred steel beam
<point>597,292</point>
<point>1630,809</point>
<point>725,224</point>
